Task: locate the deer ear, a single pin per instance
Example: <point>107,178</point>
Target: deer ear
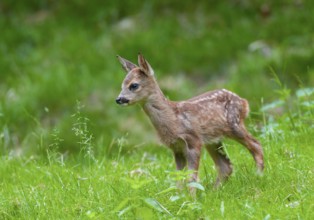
<point>145,65</point>
<point>126,65</point>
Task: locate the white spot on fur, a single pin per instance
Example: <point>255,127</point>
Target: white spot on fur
<point>211,97</point>
<point>227,91</point>
<point>202,99</point>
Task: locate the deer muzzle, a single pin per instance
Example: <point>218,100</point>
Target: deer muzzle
<point>122,101</point>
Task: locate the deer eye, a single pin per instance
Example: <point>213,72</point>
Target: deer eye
<point>133,86</point>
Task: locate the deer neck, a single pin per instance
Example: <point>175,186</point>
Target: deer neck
<point>157,106</point>
<point>161,113</point>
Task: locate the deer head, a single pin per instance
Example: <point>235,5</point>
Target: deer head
<point>139,83</point>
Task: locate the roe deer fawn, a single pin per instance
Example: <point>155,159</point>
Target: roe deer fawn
<point>185,126</point>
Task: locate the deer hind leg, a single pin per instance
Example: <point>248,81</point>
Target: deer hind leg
<point>240,134</point>
<point>222,162</point>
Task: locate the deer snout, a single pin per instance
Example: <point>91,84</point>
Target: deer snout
<point>122,101</point>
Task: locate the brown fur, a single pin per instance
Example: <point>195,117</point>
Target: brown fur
<point>186,126</point>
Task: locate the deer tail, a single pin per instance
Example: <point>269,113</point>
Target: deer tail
<point>245,109</point>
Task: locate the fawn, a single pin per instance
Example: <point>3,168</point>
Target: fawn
<point>185,126</point>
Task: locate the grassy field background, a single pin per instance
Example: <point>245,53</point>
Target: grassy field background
<point>68,151</point>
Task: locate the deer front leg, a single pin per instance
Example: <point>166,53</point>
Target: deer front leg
<point>188,153</point>
<point>180,159</point>
<point>193,159</point>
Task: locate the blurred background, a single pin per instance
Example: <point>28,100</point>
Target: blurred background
<point>59,76</point>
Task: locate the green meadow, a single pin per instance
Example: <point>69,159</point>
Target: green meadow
<point>68,151</point>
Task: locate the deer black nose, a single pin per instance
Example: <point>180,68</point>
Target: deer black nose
<point>121,100</point>
<point>118,100</point>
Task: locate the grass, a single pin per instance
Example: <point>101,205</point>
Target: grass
<point>68,152</point>
<point>140,183</point>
